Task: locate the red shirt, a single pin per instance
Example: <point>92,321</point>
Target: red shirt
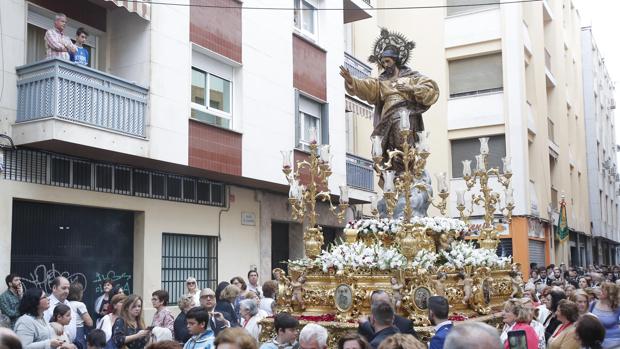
<point>530,335</point>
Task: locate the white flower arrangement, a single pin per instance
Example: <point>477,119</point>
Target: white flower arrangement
<point>464,253</point>
<point>358,255</point>
<point>424,259</point>
<point>392,226</point>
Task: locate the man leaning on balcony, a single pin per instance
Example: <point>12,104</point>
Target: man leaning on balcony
<point>57,43</point>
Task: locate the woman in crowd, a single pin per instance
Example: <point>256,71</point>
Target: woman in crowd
<point>590,332</point>
<point>181,334</point>
<point>401,341</point>
<point>269,294</point>
<point>33,331</point>
<point>352,341</point>
<point>517,317</point>
<point>249,317</point>
<point>239,282</point>
<point>225,304</point>
<point>61,317</point>
<point>128,329</point>
<point>583,283</point>
<point>193,290</point>
<point>543,311</point>
<point>76,292</point>
<point>253,296</point>
<point>564,335</point>
<point>218,290</point>
<point>581,299</point>
<point>101,304</point>
<point>551,323</point>
<point>235,338</point>
<point>163,317</point>
<point>608,312</point>
<point>107,322</point>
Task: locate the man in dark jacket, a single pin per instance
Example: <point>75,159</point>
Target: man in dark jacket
<point>382,323</point>
<point>404,325</point>
<point>438,309</point>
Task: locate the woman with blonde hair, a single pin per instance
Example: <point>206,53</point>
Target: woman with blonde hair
<point>517,316</point>
<point>607,310</point>
<point>580,297</point>
<point>225,304</point>
<point>129,329</point>
<point>401,341</point>
<point>564,335</point>
<point>107,322</point>
<point>181,334</point>
<point>235,338</point>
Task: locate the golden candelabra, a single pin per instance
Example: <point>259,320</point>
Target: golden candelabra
<point>487,198</point>
<point>303,198</point>
<point>411,237</point>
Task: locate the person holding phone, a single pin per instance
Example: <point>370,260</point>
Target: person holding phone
<point>198,327</point>
<point>517,317</point>
<point>129,329</point>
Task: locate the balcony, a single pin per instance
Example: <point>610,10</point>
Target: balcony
<point>359,173</point>
<point>57,89</point>
<point>356,67</point>
<point>476,110</point>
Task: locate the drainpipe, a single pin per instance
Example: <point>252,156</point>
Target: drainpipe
<point>219,219</point>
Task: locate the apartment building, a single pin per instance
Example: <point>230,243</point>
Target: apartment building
<point>510,72</point>
<point>603,177</point>
<point>161,159</point>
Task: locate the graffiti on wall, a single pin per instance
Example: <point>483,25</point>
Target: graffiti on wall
<point>119,279</point>
<point>43,275</point>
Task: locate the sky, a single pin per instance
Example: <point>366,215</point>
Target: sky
<point>603,17</point>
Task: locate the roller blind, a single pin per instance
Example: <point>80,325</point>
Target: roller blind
<point>475,75</point>
<point>479,5</point>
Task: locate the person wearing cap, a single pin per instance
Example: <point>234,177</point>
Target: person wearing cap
<point>193,290</point>
<point>217,322</point>
<point>438,309</point>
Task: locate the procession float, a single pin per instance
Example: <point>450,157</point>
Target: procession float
<point>400,249</point>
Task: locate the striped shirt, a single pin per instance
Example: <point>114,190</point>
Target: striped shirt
<point>58,44</point>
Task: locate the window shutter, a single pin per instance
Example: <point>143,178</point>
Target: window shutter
<point>475,74</point>
<point>325,123</point>
<point>296,116</point>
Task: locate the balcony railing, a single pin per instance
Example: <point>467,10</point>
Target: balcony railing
<point>60,89</point>
<point>357,68</point>
<point>359,173</point>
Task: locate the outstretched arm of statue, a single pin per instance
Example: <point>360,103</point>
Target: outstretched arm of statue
<point>366,89</point>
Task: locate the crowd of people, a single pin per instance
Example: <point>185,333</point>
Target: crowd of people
<point>560,308</point>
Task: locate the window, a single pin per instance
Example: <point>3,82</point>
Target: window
<point>474,5</point>
<point>310,115</point>
<point>305,16</point>
<point>476,75</point>
<point>211,99</point>
<point>468,148</point>
<point>183,256</point>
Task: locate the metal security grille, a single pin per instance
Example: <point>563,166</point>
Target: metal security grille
<point>183,256</point>
<point>360,173</point>
<point>35,166</point>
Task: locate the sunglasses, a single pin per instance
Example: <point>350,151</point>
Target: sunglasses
<point>191,283</point>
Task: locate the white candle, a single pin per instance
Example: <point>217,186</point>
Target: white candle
<point>404,120</point>
<point>460,197</point>
<point>344,194</point>
<point>293,190</point>
<point>442,182</point>
<point>484,145</point>
<point>423,140</point>
<point>374,202</point>
<point>376,149</point>
<point>312,135</point>
<point>324,154</point>
<point>508,196</point>
<point>480,162</point>
<point>388,178</point>
<point>507,165</point>
<point>286,158</point>
<point>466,168</point>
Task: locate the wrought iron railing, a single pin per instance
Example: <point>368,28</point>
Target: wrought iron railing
<point>356,67</point>
<point>359,173</point>
<point>60,89</point>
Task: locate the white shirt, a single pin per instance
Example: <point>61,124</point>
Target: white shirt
<point>265,305</point>
<point>252,326</point>
<point>70,329</point>
<point>256,289</point>
<point>106,326</point>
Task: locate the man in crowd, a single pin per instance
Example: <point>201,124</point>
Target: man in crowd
<point>285,326</point>
<point>438,310</point>
<point>198,327</point>
<point>313,336</point>
<point>60,291</point>
<point>404,325</point>
<point>207,302</point>
<point>253,284</point>
<point>81,54</point>
<point>9,300</point>
<point>543,279</point>
<point>59,45</point>
<point>473,335</point>
<point>382,323</point>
